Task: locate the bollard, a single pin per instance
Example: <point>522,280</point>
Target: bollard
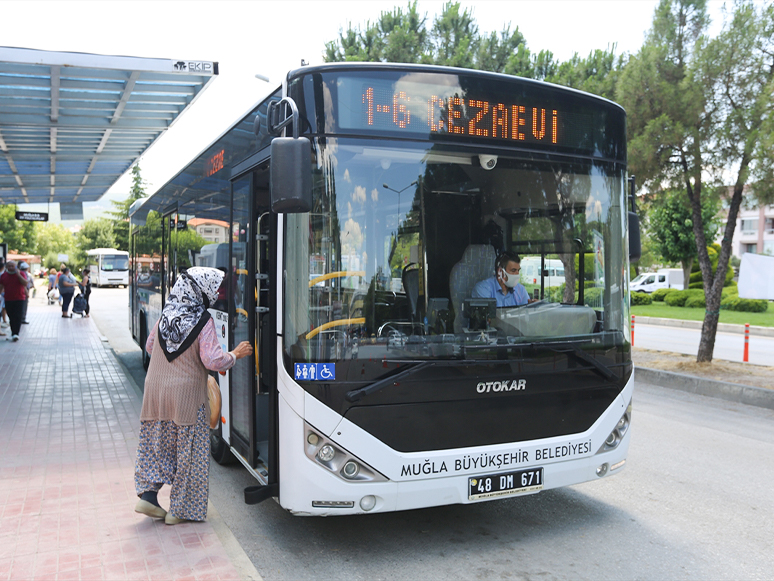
<point>746,357</point>
<point>632,330</point>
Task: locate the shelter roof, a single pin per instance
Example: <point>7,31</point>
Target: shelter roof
<point>72,123</point>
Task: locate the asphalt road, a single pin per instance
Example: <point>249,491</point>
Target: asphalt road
<point>728,346</point>
<point>694,502</point>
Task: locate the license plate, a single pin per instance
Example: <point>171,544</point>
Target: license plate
<point>508,484</point>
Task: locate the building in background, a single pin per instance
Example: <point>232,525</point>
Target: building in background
<point>213,231</point>
<point>754,231</point>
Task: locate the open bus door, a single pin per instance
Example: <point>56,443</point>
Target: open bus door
<point>251,402</point>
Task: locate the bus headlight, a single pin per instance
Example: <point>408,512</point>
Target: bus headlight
<point>350,470</point>
<point>326,453</point>
<point>615,437</point>
<point>336,460</point>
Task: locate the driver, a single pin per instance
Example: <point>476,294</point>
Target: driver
<point>504,286</point>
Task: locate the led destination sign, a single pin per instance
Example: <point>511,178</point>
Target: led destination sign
<point>497,110</point>
<point>460,116</point>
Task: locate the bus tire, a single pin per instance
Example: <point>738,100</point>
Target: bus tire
<point>219,449</point>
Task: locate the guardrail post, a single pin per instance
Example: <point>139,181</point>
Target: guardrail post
<point>632,330</point>
<point>746,357</point>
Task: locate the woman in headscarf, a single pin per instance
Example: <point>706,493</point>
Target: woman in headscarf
<point>174,442</point>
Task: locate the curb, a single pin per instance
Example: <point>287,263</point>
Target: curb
<point>746,394</point>
<point>722,327</point>
<point>234,550</point>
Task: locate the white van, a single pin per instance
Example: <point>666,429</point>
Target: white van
<point>648,282</point>
<point>553,274</point>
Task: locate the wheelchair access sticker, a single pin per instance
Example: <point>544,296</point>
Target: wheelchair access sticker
<point>315,371</point>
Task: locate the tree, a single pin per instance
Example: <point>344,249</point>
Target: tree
<point>455,37</point>
<point>120,216</point>
<point>396,36</point>
<point>455,40</point>
<point>598,73</point>
<point>699,110</point>
<point>18,235</point>
<point>495,51</point>
<point>95,233</point>
<point>671,227</point>
<point>53,239</point>
<point>401,36</point>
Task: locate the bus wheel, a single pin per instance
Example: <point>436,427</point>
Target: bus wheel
<point>219,449</point>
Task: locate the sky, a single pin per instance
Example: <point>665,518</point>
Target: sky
<point>269,38</point>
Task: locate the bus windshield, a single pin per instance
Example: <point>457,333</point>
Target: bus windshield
<point>115,262</point>
<point>384,266</point>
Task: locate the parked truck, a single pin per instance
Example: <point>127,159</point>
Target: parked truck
<point>648,282</point>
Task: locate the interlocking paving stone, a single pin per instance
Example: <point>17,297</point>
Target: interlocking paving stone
<point>69,423</point>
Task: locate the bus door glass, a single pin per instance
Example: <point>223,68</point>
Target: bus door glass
<point>168,254</point>
<point>242,317</point>
<point>264,221</point>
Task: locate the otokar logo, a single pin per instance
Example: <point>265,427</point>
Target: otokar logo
<point>504,385</point>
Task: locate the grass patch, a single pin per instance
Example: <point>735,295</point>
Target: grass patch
<point>664,311</point>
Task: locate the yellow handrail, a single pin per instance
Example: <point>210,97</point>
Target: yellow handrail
<point>336,323</point>
<point>337,274</point>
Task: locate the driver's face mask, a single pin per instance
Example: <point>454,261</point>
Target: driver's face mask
<point>509,280</point>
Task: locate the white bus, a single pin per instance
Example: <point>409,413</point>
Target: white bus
<point>108,266</point>
<point>378,383</point>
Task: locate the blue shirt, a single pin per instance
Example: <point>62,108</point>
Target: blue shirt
<point>490,289</point>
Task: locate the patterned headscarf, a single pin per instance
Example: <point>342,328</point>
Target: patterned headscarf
<point>185,312</point>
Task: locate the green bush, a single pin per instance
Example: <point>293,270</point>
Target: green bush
<point>677,298</point>
<point>746,305</point>
<point>696,281</point>
<point>696,301</point>
<point>592,297</point>
<point>639,298</point>
<point>659,294</point>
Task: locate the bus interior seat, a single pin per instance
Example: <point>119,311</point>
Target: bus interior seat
<point>476,264</point>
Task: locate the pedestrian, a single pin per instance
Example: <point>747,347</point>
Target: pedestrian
<point>67,284</point>
<point>25,270</point>
<point>85,287</point>
<point>3,315</point>
<point>56,280</point>
<point>51,285</point>
<point>174,444</point>
<point>14,285</point>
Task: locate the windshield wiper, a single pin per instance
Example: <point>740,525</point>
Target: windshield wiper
<point>360,393</point>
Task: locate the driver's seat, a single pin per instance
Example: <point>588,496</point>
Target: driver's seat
<point>476,264</point>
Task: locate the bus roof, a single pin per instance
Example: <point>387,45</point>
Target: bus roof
<point>365,66</point>
<point>105,251</point>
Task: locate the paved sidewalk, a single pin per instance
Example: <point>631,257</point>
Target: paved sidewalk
<point>69,423</point>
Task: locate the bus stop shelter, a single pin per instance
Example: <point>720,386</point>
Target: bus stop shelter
<point>72,123</point>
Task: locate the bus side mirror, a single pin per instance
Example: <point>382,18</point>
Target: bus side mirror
<point>291,175</point>
<point>635,248</point>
